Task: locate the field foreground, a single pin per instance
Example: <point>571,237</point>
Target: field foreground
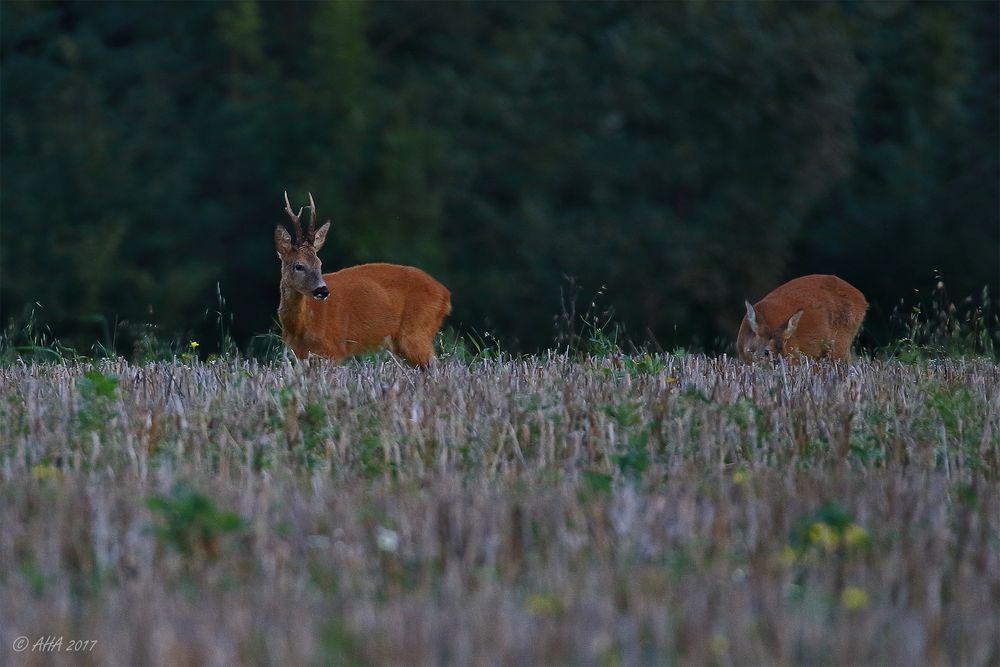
<point>536,511</point>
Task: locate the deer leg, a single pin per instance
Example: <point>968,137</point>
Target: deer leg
<point>415,340</point>
<point>418,350</point>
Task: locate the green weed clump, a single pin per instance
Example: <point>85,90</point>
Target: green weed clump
<point>190,523</point>
<point>936,327</point>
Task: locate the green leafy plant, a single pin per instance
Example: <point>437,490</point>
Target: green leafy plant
<point>595,482</point>
<point>632,457</point>
<point>25,339</point>
<point>97,391</point>
<point>645,364</point>
<point>190,523</point>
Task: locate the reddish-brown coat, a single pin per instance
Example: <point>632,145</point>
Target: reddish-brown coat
<point>831,314</point>
<point>370,306</point>
<point>355,310</point>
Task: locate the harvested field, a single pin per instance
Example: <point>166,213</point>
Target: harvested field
<point>542,510</point>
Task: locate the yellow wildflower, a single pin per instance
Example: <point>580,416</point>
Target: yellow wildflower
<point>194,345</point>
<point>740,477</point>
<point>788,556</point>
<point>543,605</point>
<point>855,536</point>
<point>822,534</point>
<point>44,471</point>
<point>853,598</point>
<point>720,644</point>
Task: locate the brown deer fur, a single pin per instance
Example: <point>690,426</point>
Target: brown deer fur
<point>816,316</point>
<point>355,310</point>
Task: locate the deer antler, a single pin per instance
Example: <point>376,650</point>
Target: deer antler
<point>299,239</point>
<point>311,234</point>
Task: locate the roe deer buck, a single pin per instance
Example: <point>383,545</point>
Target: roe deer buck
<point>354,310</point>
<point>816,316</point>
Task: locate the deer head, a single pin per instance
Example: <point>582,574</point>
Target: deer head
<point>301,268</point>
<point>767,342</point>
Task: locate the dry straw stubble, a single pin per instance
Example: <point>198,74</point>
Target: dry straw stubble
<point>536,510</point>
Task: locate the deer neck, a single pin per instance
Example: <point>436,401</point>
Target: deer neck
<point>292,312</point>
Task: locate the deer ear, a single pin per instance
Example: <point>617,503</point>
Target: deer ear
<point>792,324</point>
<point>752,318</point>
<point>320,238</point>
<point>282,241</point>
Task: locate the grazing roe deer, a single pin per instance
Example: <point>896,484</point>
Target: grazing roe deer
<point>816,316</point>
<point>355,310</point>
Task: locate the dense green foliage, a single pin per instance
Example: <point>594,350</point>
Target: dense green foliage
<point>685,155</point>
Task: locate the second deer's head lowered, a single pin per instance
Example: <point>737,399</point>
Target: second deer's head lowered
<point>301,268</point>
<point>768,342</point>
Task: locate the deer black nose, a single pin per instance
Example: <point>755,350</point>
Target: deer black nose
<point>321,292</point>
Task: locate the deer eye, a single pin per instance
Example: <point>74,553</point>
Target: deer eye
<point>299,267</point>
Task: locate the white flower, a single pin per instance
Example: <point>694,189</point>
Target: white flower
<point>386,539</point>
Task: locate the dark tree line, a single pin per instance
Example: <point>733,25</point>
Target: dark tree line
<point>684,155</point>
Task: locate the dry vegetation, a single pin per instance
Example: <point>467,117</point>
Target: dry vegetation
<point>633,510</point>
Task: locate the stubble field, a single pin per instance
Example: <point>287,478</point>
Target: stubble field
<point>653,509</point>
